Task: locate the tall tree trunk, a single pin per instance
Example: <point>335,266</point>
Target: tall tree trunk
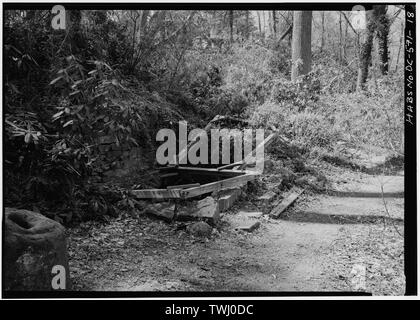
<point>345,42</point>
<point>340,55</point>
<point>213,28</point>
<point>265,24</point>
<point>365,54</point>
<point>301,43</point>
<point>259,23</point>
<point>274,23</point>
<point>400,46</point>
<point>78,43</point>
<point>322,30</point>
<point>247,24</point>
<point>382,33</point>
<point>143,22</point>
<point>231,25</point>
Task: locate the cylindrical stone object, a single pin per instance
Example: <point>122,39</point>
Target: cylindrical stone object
<point>35,254</point>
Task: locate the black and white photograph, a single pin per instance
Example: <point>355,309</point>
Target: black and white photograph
<point>227,149</point>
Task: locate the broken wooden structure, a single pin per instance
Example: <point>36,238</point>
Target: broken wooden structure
<point>185,182</point>
<point>225,179</point>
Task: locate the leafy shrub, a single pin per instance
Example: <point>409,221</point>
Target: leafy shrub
<point>55,150</point>
<point>223,101</point>
<point>298,96</point>
<point>333,76</point>
<point>373,117</point>
<point>248,71</point>
<point>280,61</point>
<point>308,128</point>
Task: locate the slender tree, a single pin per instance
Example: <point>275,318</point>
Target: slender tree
<point>322,30</point>
<point>400,46</point>
<point>301,43</point>
<point>377,24</point>
<point>382,34</point>
<point>247,24</point>
<point>274,23</point>
<point>231,25</point>
<point>365,55</point>
<point>259,23</point>
<point>345,42</point>
<point>340,37</point>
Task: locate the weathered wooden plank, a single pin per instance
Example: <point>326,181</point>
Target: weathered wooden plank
<point>156,194</point>
<point>219,185</point>
<point>209,171</point>
<point>195,191</point>
<point>285,203</point>
<point>167,175</point>
<point>234,164</point>
<point>230,165</point>
<point>167,168</point>
<point>183,186</point>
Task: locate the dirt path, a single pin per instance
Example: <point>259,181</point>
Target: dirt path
<point>307,249</point>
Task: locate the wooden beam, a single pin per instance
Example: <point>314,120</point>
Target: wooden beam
<point>167,175</point>
<point>236,178</point>
<point>209,171</point>
<point>169,167</point>
<point>285,203</point>
<point>236,164</point>
<point>183,186</point>
<point>156,194</point>
<point>231,165</point>
<point>219,185</point>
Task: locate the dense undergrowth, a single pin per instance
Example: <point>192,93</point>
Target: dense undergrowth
<point>65,90</point>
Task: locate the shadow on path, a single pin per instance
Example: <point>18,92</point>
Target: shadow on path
<point>314,217</point>
<point>361,194</point>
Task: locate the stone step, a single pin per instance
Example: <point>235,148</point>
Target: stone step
<point>227,198</point>
<point>206,209</point>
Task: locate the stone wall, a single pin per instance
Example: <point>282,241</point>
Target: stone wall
<point>118,159</point>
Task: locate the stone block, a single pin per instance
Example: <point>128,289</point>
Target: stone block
<point>164,211</point>
<point>227,198</point>
<point>206,209</point>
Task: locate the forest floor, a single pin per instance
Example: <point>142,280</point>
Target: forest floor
<point>324,242</point>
